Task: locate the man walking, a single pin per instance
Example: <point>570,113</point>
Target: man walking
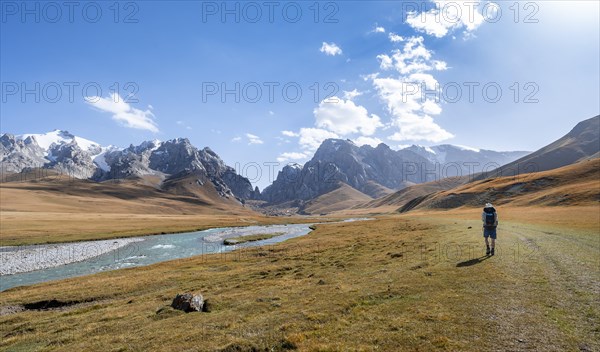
<point>490,222</point>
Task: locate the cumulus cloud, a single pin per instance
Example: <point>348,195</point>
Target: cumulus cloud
<point>124,113</point>
<point>413,58</point>
<point>311,138</point>
<point>330,49</point>
<point>403,92</point>
<point>372,141</point>
<point>253,139</point>
<point>291,156</point>
<point>447,16</point>
<point>344,117</point>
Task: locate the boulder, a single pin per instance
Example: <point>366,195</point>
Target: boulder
<point>188,302</point>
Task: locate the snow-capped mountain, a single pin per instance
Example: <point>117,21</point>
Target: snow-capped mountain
<point>81,158</point>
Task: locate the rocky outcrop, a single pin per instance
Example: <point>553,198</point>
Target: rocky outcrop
<point>17,155</point>
<point>71,160</point>
<point>189,302</point>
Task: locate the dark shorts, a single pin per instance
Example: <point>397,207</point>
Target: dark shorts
<point>489,232</point>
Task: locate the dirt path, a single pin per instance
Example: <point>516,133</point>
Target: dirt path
<point>540,292</point>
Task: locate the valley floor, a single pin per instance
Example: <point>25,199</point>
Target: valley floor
<point>412,282</point>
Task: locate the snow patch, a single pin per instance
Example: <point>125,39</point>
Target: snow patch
<point>58,137</point>
<point>464,147</point>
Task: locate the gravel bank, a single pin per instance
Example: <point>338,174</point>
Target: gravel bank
<point>21,259</point>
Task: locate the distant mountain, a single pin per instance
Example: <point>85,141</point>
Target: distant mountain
<point>366,169</point>
<point>455,160</point>
<point>564,172</point>
<point>83,159</point>
<point>582,142</point>
<point>376,171</point>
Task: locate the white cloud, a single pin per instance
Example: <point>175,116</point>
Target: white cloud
<point>290,134</point>
<point>403,93</point>
<point>448,15</point>
<point>124,113</point>
<point>236,139</point>
<point>385,62</point>
<point>344,117</point>
<point>271,113</point>
<point>413,58</point>
<point>253,139</point>
<point>349,95</point>
<point>378,29</point>
<point>291,156</point>
<point>395,38</point>
<point>419,127</point>
<point>330,49</point>
<point>372,141</point>
<point>311,138</point>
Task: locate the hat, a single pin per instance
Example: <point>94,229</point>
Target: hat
<point>489,205</point>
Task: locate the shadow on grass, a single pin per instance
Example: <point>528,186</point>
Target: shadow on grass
<point>472,261</point>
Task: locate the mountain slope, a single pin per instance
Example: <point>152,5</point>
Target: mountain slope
<point>399,199</point>
<point>60,194</point>
<point>582,142</point>
<point>343,197</point>
<point>577,184</point>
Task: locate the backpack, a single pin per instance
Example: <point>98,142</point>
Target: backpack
<point>490,219</point>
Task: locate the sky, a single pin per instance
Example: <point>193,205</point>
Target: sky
<point>267,82</point>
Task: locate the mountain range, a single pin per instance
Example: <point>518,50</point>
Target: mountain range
<point>340,174</point>
<point>155,161</point>
<point>565,171</point>
<point>377,171</point>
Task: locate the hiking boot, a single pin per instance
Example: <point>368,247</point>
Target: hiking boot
<point>492,251</point>
<point>487,251</point>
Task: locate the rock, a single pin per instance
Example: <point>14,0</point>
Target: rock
<point>188,302</point>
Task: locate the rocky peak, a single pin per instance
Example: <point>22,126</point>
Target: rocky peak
<point>176,155</point>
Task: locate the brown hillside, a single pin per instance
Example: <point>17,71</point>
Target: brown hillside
<point>577,184</point>
<point>344,197</point>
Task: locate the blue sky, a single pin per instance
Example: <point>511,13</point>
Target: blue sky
<point>374,57</point>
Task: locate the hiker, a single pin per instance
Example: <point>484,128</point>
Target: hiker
<point>490,222</point>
